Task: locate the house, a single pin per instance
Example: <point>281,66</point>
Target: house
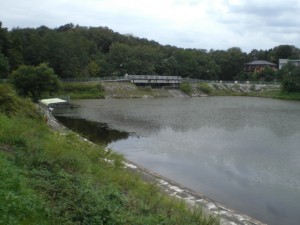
<point>259,65</point>
<point>283,62</point>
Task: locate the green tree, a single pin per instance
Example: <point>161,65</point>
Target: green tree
<point>231,62</point>
<point>291,78</point>
<point>93,68</point>
<point>268,74</point>
<point>34,81</point>
<point>4,66</point>
<point>243,75</point>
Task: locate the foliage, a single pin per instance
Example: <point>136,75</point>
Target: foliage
<point>82,90</point>
<point>18,203</point>
<point>267,74</point>
<point>11,104</point>
<point>291,78</point>
<point>60,179</point>
<point>291,81</point>
<point>205,88</point>
<point>231,62</point>
<point>186,87</point>
<point>4,66</point>
<point>76,51</point>
<point>243,75</point>
<point>34,81</point>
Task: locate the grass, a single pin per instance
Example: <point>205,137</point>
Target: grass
<point>279,95</point>
<point>235,90</point>
<point>205,88</point>
<point>186,88</point>
<point>49,178</point>
<point>80,90</point>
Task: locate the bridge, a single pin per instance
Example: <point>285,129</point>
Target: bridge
<point>154,80</point>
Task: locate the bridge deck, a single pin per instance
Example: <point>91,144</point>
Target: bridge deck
<point>153,79</point>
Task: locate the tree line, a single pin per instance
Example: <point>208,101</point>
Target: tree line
<point>76,51</point>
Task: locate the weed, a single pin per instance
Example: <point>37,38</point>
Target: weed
<point>82,90</point>
<point>47,178</point>
<point>205,88</point>
<point>76,184</point>
<point>186,88</point>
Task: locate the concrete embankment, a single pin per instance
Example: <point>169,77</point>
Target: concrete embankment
<point>227,216</point>
<point>129,90</point>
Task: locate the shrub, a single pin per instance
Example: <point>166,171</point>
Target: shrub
<point>11,104</point>
<point>186,88</point>
<point>205,88</point>
<point>33,81</point>
<point>83,90</point>
<point>291,79</point>
<point>18,203</point>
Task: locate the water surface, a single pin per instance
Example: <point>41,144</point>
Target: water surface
<point>240,151</point>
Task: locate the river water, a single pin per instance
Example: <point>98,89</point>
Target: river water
<point>242,152</point>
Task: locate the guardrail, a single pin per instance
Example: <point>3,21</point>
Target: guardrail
<point>156,77</point>
<point>152,77</point>
<point>190,80</point>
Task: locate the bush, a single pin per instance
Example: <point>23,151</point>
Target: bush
<point>205,88</point>
<point>83,90</point>
<point>186,88</point>
<point>291,79</point>
<point>33,81</point>
<point>11,104</point>
<point>18,203</point>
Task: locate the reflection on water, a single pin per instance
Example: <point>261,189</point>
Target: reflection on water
<point>242,152</point>
<point>96,132</point>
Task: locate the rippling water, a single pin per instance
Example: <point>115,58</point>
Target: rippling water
<point>240,151</point>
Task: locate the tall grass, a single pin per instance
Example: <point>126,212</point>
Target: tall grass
<point>82,90</point>
<point>205,88</point>
<point>186,88</point>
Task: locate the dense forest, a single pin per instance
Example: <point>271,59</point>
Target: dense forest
<point>77,51</point>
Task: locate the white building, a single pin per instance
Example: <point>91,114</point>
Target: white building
<point>283,62</point>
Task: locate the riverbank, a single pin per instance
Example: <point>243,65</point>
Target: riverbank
<point>237,89</point>
<point>50,177</point>
<point>128,90</point>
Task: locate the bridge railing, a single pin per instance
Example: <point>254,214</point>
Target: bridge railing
<point>152,77</point>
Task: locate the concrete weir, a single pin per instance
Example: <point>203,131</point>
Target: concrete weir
<point>227,216</point>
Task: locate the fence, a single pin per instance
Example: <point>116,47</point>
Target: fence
<point>152,77</point>
<point>190,80</point>
<point>93,79</point>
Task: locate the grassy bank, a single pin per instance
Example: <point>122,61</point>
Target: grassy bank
<point>252,90</point>
<point>80,90</point>
<point>280,95</point>
<point>128,90</point>
<point>49,178</point>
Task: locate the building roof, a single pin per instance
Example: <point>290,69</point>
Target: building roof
<point>52,101</point>
<point>260,62</point>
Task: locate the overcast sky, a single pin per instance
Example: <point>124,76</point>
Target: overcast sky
<point>203,24</point>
